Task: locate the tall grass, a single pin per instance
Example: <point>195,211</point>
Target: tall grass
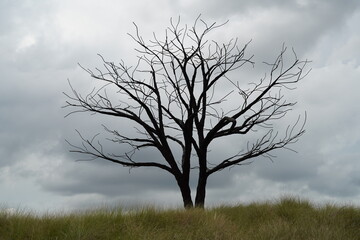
<point>289,218</point>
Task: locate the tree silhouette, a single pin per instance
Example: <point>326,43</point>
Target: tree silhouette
<point>173,99</point>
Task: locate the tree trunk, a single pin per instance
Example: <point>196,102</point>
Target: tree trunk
<point>185,193</point>
<point>201,191</point>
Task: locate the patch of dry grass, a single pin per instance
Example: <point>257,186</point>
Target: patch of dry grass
<point>289,218</point>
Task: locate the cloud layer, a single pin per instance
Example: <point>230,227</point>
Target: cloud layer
<point>41,43</point>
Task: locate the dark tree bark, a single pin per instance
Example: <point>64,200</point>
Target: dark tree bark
<point>201,190</point>
<point>172,102</point>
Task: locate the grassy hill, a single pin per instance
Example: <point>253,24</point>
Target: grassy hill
<point>289,218</point>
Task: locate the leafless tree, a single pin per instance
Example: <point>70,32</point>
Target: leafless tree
<point>172,99</point>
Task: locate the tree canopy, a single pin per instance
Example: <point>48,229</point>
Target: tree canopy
<point>174,98</point>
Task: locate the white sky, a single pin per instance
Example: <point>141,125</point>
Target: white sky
<point>42,41</point>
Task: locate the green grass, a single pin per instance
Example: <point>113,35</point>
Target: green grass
<point>288,218</point>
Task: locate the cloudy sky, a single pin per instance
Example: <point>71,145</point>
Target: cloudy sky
<point>41,42</point>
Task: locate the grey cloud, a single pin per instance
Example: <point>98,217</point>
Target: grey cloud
<point>338,175</point>
<point>288,167</point>
<point>298,26</point>
<point>23,122</point>
<point>22,13</point>
<point>107,179</point>
<point>235,8</point>
<point>39,57</point>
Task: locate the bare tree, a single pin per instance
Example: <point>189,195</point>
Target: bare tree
<point>173,103</point>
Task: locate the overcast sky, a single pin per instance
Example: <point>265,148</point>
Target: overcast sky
<point>41,42</point>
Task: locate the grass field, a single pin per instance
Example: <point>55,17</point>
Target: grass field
<point>288,218</point>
